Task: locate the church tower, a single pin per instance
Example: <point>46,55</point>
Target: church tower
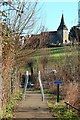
<point>62,31</point>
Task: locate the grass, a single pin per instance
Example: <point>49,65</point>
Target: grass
<point>50,51</point>
<point>39,91</point>
<point>60,111</point>
<point>55,53</point>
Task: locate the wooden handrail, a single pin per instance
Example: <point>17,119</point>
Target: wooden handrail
<point>72,106</point>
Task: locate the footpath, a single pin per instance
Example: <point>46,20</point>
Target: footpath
<point>33,107</point>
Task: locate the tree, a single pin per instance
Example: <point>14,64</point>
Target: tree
<point>17,17</point>
<point>74,34</point>
<point>20,15</point>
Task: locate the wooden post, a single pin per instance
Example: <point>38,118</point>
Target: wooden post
<point>42,92</point>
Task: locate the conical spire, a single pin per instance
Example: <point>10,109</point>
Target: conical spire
<point>62,25</point>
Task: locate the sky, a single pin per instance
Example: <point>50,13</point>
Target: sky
<point>52,12</point>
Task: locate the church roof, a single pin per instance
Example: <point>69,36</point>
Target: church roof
<point>49,33</point>
<point>62,25</point>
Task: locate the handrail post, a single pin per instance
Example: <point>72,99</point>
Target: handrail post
<point>42,92</point>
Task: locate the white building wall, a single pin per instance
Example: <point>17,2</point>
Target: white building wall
<point>65,36</point>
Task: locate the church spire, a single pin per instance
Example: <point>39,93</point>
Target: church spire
<point>62,25</point>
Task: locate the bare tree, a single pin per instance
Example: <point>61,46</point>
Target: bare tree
<point>17,17</point>
<point>20,16</point>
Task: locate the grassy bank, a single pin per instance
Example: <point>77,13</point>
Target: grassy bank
<point>54,53</point>
<point>60,111</point>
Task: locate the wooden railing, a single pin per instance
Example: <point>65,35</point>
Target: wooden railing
<point>69,105</point>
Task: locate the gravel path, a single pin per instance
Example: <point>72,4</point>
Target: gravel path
<point>32,107</point>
